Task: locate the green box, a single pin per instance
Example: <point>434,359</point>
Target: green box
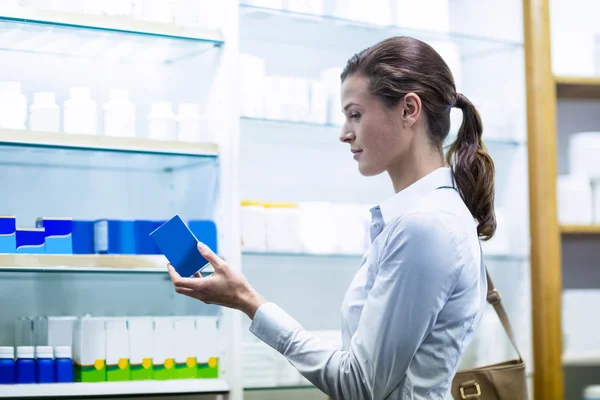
<point>209,370</point>
<point>91,373</point>
<point>165,371</point>
<point>143,371</point>
<point>186,370</point>
<point>119,372</point>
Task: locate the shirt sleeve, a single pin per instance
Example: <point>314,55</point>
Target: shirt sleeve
<point>418,270</point>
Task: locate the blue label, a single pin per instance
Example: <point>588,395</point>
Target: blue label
<point>8,243</point>
<point>8,225</point>
<point>31,241</point>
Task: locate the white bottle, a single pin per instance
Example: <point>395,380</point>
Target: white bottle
<point>189,123</point>
<point>13,106</point>
<point>44,113</point>
<point>119,114</point>
<point>80,114</point>
<point>162,124</point>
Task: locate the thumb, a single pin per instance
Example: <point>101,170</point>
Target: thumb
<point>210,256</point>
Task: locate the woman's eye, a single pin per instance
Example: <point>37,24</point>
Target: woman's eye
<point>355,116</point>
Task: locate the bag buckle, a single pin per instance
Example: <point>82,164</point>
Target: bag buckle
<point>493,297</point>
<point>470,385</point>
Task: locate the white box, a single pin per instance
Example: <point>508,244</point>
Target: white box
<point>185,336</point>
<point>207,340</point>
<point>117,343</point>
<point>584,148</point>
<point>351,224</point>
<point>59,331</point>
<point>317,228</point>
<point>141,335</point>
<point>89,342</point>
<point>283,228</point>
<point>252,86</point>
<point>574,199</point>
<point>164,344</point>
<point>253,226</point>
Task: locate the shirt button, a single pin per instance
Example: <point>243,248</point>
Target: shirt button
<point>376,225</point>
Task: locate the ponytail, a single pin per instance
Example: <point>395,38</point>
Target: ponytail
<point>473,169</point>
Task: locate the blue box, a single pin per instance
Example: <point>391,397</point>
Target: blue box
<point>8,234</point>
<point>206,232</point>
<point>59,231</point>
<point>31,240</point>
<point>114,236</point>
<point>83,237</point>
<point>143,242</point>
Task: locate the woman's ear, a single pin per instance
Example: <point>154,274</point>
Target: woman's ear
<point>411,109</point>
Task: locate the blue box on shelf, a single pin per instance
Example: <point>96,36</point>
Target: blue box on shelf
<point>112,236</point>
<point>143,242</point>
<point>83,237</point>
<point>206,232</point>
<point>31,240</point>
<point>8,234</point>
<point>58,233</point>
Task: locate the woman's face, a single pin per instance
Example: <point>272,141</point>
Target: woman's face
<point>375,132</point>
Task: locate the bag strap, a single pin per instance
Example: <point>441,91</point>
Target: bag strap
<point>494,298</point>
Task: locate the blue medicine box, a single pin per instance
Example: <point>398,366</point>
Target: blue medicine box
<point>83,237</point>
<point>206,232</point>
<point>59,239</point>
<point>114,236</point>
<point>8,234</point>
<point>143,242</point>
<point>31,240</point>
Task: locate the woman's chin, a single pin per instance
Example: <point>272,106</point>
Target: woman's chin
<point>368,170</point>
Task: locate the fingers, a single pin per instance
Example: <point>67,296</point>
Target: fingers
<point>210,256</point>
<point>183,283</point>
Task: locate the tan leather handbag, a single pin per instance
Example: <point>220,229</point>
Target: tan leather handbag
<point>504,381</point>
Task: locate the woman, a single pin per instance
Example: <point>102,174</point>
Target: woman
<point>413,306</point>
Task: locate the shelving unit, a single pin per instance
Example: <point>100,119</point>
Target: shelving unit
<point>103,389</point>
<point>560,102</point>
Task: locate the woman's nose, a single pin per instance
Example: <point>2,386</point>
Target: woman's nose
<point>347,135</point>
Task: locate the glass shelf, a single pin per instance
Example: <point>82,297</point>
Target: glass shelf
<point>332,32</point>
<point>102,389</point>
<point>335,129</point>
<point>19,147</point>
<point>42,31</point>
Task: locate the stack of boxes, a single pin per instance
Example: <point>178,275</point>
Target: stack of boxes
<point>105,236</point>
<point>108,349</point>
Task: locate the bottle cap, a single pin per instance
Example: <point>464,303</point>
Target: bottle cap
<point>79,93</point>
<point>118,94</point>
<point>62,352</point>
<point>161,107</point>
<point>46,98</point>
<point>25,352</point>
<point>44,352</point>
<point>7,352</point>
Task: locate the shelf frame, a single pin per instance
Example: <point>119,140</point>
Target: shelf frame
<point>576,87</point>
<point>580,229</point>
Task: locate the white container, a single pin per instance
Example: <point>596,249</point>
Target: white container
<point>580,328</point>
<point>596,200</point>
<point>252,86</point>
<point>141,335</point>
<point>44,352</point>
<point>89,342</point>
<point>351,222</point>
<point>275,98</point>
<point>25,352</point>
<point>63,352</point>
<point>162,123</point>
<point>119,114</point>
<point>331,79</point>
<point>60,331</point>
<point>117,343</point>
<point>584,148</point>
<point>189,123</point>
<point>7,352</point>
<point>44,113</point>
<point>209,348</point>
<point>80,113</point>
<point>164,345</point>
<point>574,200</point>
<point>253,226</point>
<point>318,103</point>
<point>317,228</point>
<point>185,339</point>
<point>283,228</point>
<point>591,393</point>
<point>13,106</point>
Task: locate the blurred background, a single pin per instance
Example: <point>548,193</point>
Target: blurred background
<point>116,115</point>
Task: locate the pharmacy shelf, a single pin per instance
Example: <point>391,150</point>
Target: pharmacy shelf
<point>18,147</point>
<point>83,263</point>
<point>591,359</point>
<point>580,229</point>
<point>331,32</point>
<point>103,389</point>
<point>577,87</point>
<point>283,124</point>
<point>49,31</point>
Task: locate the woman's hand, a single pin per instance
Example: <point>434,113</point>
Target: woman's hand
<point>225,287</point>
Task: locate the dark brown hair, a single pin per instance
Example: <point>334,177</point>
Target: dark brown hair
<point>402,65</point>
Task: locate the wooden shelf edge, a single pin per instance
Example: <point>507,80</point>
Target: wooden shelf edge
<point>83,261</point>
<point>576,87</point>
<point>105,143</point>
<point>580,229</point>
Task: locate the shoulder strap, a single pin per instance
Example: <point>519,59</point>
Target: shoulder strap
<point>494,298</point>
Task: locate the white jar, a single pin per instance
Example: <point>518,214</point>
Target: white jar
<point>80,114</point>
<point>189,123</point>
<point>119,114</point>
<point>44,113</point>
<point>13,106</point>
<point>283,228</point>
<point>162,124</point>
<point>253,226</point>
<point>117,7</point>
